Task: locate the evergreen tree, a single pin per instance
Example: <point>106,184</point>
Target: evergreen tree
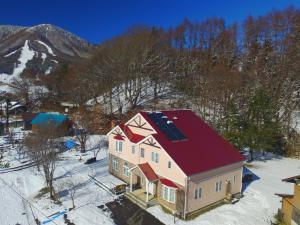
<point>261,128</point>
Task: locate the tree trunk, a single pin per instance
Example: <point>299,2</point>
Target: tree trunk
<point>251,155</point>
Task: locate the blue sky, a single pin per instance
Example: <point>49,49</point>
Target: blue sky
<point>97,20</point>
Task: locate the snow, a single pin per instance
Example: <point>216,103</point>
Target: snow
<point>120,100</point>
<point>296,120</point>
<point>50,51</point>
<point>28,182</point>
<point>259,204</point>
<point>44,56</point>
<point>48,71</point>
<point>9,54</point>
<point>26,55</point>
<point>257,207</point>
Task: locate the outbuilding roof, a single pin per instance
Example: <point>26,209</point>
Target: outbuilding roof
<point>49,118</point>
<point>203,148</point>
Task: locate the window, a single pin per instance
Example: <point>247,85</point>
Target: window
<point>198,193</point>
<point>115,165</point>
<point>154,157</point>
<point>169,164</point>
<point>142,153</point>
<point>169,194</point>
<point>119,146</point>
<point>126,169</point>
<point>218,186</point>
<point>234,178</point>
<point>133,149</point>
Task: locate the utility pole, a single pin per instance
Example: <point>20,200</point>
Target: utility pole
<point>7,115</point>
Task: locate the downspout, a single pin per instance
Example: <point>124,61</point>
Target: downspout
<point>185,198</point>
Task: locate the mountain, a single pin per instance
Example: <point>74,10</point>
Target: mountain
<point>39,48</point>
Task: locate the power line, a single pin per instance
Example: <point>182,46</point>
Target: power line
<point>31,205</point>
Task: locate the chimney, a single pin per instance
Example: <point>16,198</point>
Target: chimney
<point>113,124</point>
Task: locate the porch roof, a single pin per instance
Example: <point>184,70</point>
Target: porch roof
<point>168,183</point>
<point>148,171</point>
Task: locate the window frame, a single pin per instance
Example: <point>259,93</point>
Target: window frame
<point>126,169</point>
<point>200,193</point>
<point>119,146</point>
<point>196,193</point>
<point>169,164</point>
<point>218,186</point>
<point>155,157</point>
<point>142,153</point>
<point>166,194</point>
<point>133,149</point>
<point>115,165</point>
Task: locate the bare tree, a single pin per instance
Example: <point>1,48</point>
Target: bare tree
<point>102,144</point>
<point>43,148</point>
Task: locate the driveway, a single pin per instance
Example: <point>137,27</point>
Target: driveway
<point>124,212</point>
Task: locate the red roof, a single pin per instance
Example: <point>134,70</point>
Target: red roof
<point>133,137</point>
<point>148,171</point>
<point>168,183</point>
<point>118,137</point>
<point>203,149</point>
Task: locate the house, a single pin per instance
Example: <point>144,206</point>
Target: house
<point>14,108</point>
<point>290,209</point>
<point>174,158</point>
<point>27,120</point>
<point>60,121</point>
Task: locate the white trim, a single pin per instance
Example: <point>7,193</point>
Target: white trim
<point>139,114</point>
<point>132,168</point>
<point>142,173</point>
<point>113,130</point>
<point>109,133</point>
<point>163,193</point>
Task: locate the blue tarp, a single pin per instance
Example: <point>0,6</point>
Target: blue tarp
<point>54,217</point>
<point>69,144</point>
<point>49,118</point>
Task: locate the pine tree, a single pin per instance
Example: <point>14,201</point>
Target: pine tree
<point>261,128</point>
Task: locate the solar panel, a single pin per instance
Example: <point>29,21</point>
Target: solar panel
<point>166,126</point>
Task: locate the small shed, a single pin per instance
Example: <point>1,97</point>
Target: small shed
<point>60,121</point>
<point>27,119</point>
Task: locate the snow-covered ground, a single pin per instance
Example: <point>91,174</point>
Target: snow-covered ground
<point>19,190</point>
<point>259,204</point>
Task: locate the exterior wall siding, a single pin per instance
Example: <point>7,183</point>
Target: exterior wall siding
<point>178,207</point>
<point>207,182</point>
<point>161,168</point>
<point>290,206</point>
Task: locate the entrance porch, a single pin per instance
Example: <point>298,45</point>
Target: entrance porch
<point>143,185</point>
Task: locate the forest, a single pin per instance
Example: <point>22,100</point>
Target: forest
<point>243,79</point>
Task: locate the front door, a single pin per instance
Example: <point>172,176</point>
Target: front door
<point>138,182</point>
<point>151,188</point>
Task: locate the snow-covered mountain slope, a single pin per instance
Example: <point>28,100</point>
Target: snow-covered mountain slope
<point>40,49</point>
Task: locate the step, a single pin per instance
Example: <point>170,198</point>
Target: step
<point>136,200</point>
